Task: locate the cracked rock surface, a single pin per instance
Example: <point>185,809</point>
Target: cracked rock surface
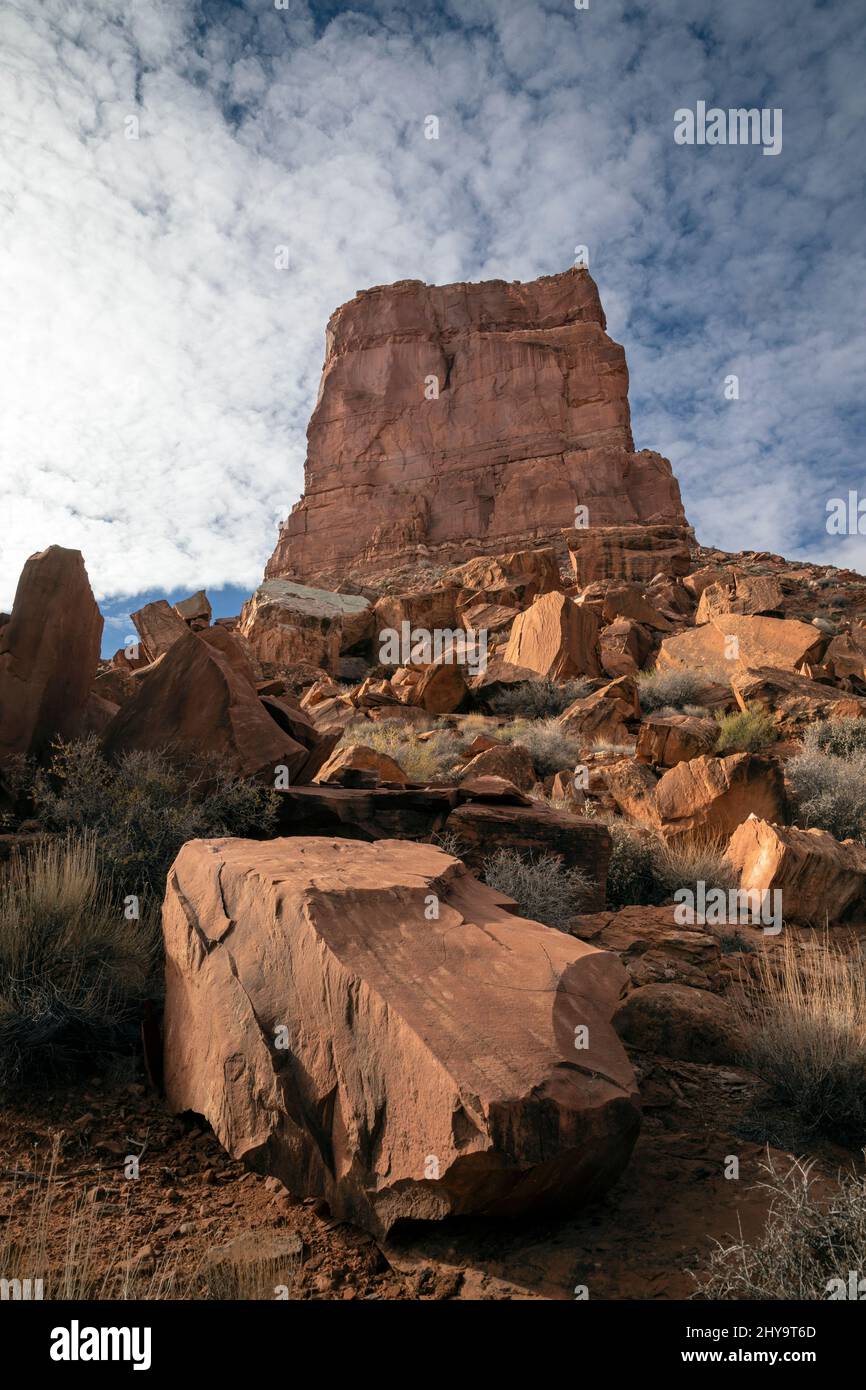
<point>339,1034</point>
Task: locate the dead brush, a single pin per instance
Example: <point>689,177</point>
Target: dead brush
<point>812,1240</point>
<point>73,967</point>
<point>56,1253</point>
<point>804,1020</point>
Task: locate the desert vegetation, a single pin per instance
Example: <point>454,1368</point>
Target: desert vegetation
<point>646,869</point>
<point>541,699</point>
<point>804,1021</point>
<point>815,1235</point>
<point>828,777</point>
<point>746,731</point>
<point>75,963</point>
<point>673,689</point>
<point>543,888</point>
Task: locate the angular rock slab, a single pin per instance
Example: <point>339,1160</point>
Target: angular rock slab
<point>429,1066</point>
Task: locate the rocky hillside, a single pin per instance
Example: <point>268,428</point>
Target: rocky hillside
<point>555,816</point>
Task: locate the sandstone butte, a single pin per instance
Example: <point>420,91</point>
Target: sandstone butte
<point>463,420</point>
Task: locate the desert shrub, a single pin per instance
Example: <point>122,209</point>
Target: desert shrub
<point>830,790</point>
<point>141,809</point>
<point>804,1024</point>
<point>646,870</point>
<point>428,760</point>
<point>543,888</point>
<point>541,699</point>
<point>632,876</point>
<point>746,731</point>
<point>549,745</point>
<point>16,788</point>
<point>676,689</point>
<point>449,842</point>
<point>841,738</point>
<point>808,1247</point>
<point>73,967</point>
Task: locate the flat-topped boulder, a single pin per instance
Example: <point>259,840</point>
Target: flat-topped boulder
<point>285,622</point>
<point>372,1025</point>
<point>730,642</point>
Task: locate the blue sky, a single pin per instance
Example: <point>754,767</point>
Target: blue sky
<point>159,370</point>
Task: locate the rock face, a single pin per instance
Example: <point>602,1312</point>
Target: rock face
<point>631,552</point>
<point>555,638</point>
<point>400,1067</point>
<point>819,878</point>
<point>715,795</point>
<point>467,419</point>
<point>49,651</point>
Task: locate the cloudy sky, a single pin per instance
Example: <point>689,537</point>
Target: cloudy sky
<point>159,369</point>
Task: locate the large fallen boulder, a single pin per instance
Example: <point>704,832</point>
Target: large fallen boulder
<point>602,715</point>
<point>654,948</point>
<point>286,622</point>
<point>49,653</point>
<point>730,642</point>
<point>674,1020</point>
<point>374,1026</point>
<point>624,647</point>
<point>555,638</point>
<point>159,626</point>
<point>715,795</point>
<point>667,739</point>
<point>200,700</point>
<point>751,594</point>
<point>508,760</point>
<point>795,701</point>
<point>512,580</point>
<point>819,878</point>
<point>356,757</point>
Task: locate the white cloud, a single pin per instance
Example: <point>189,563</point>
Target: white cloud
<point>158,370</point>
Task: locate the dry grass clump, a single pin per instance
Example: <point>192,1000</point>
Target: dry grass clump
<point>548,744</point>
<point>647,870</point>
<point>431,759</point>
<point>829,778</point>
<point>810,1244</point>
<point>74,962</point>
<point>142,808</point>
<point>543,888</point>
<point>805,1028</point>
<point>673,689</point>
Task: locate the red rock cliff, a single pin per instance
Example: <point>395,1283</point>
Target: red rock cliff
<point>531,419</point>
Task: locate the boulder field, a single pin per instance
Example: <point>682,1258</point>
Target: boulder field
<point>353,1010</point>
